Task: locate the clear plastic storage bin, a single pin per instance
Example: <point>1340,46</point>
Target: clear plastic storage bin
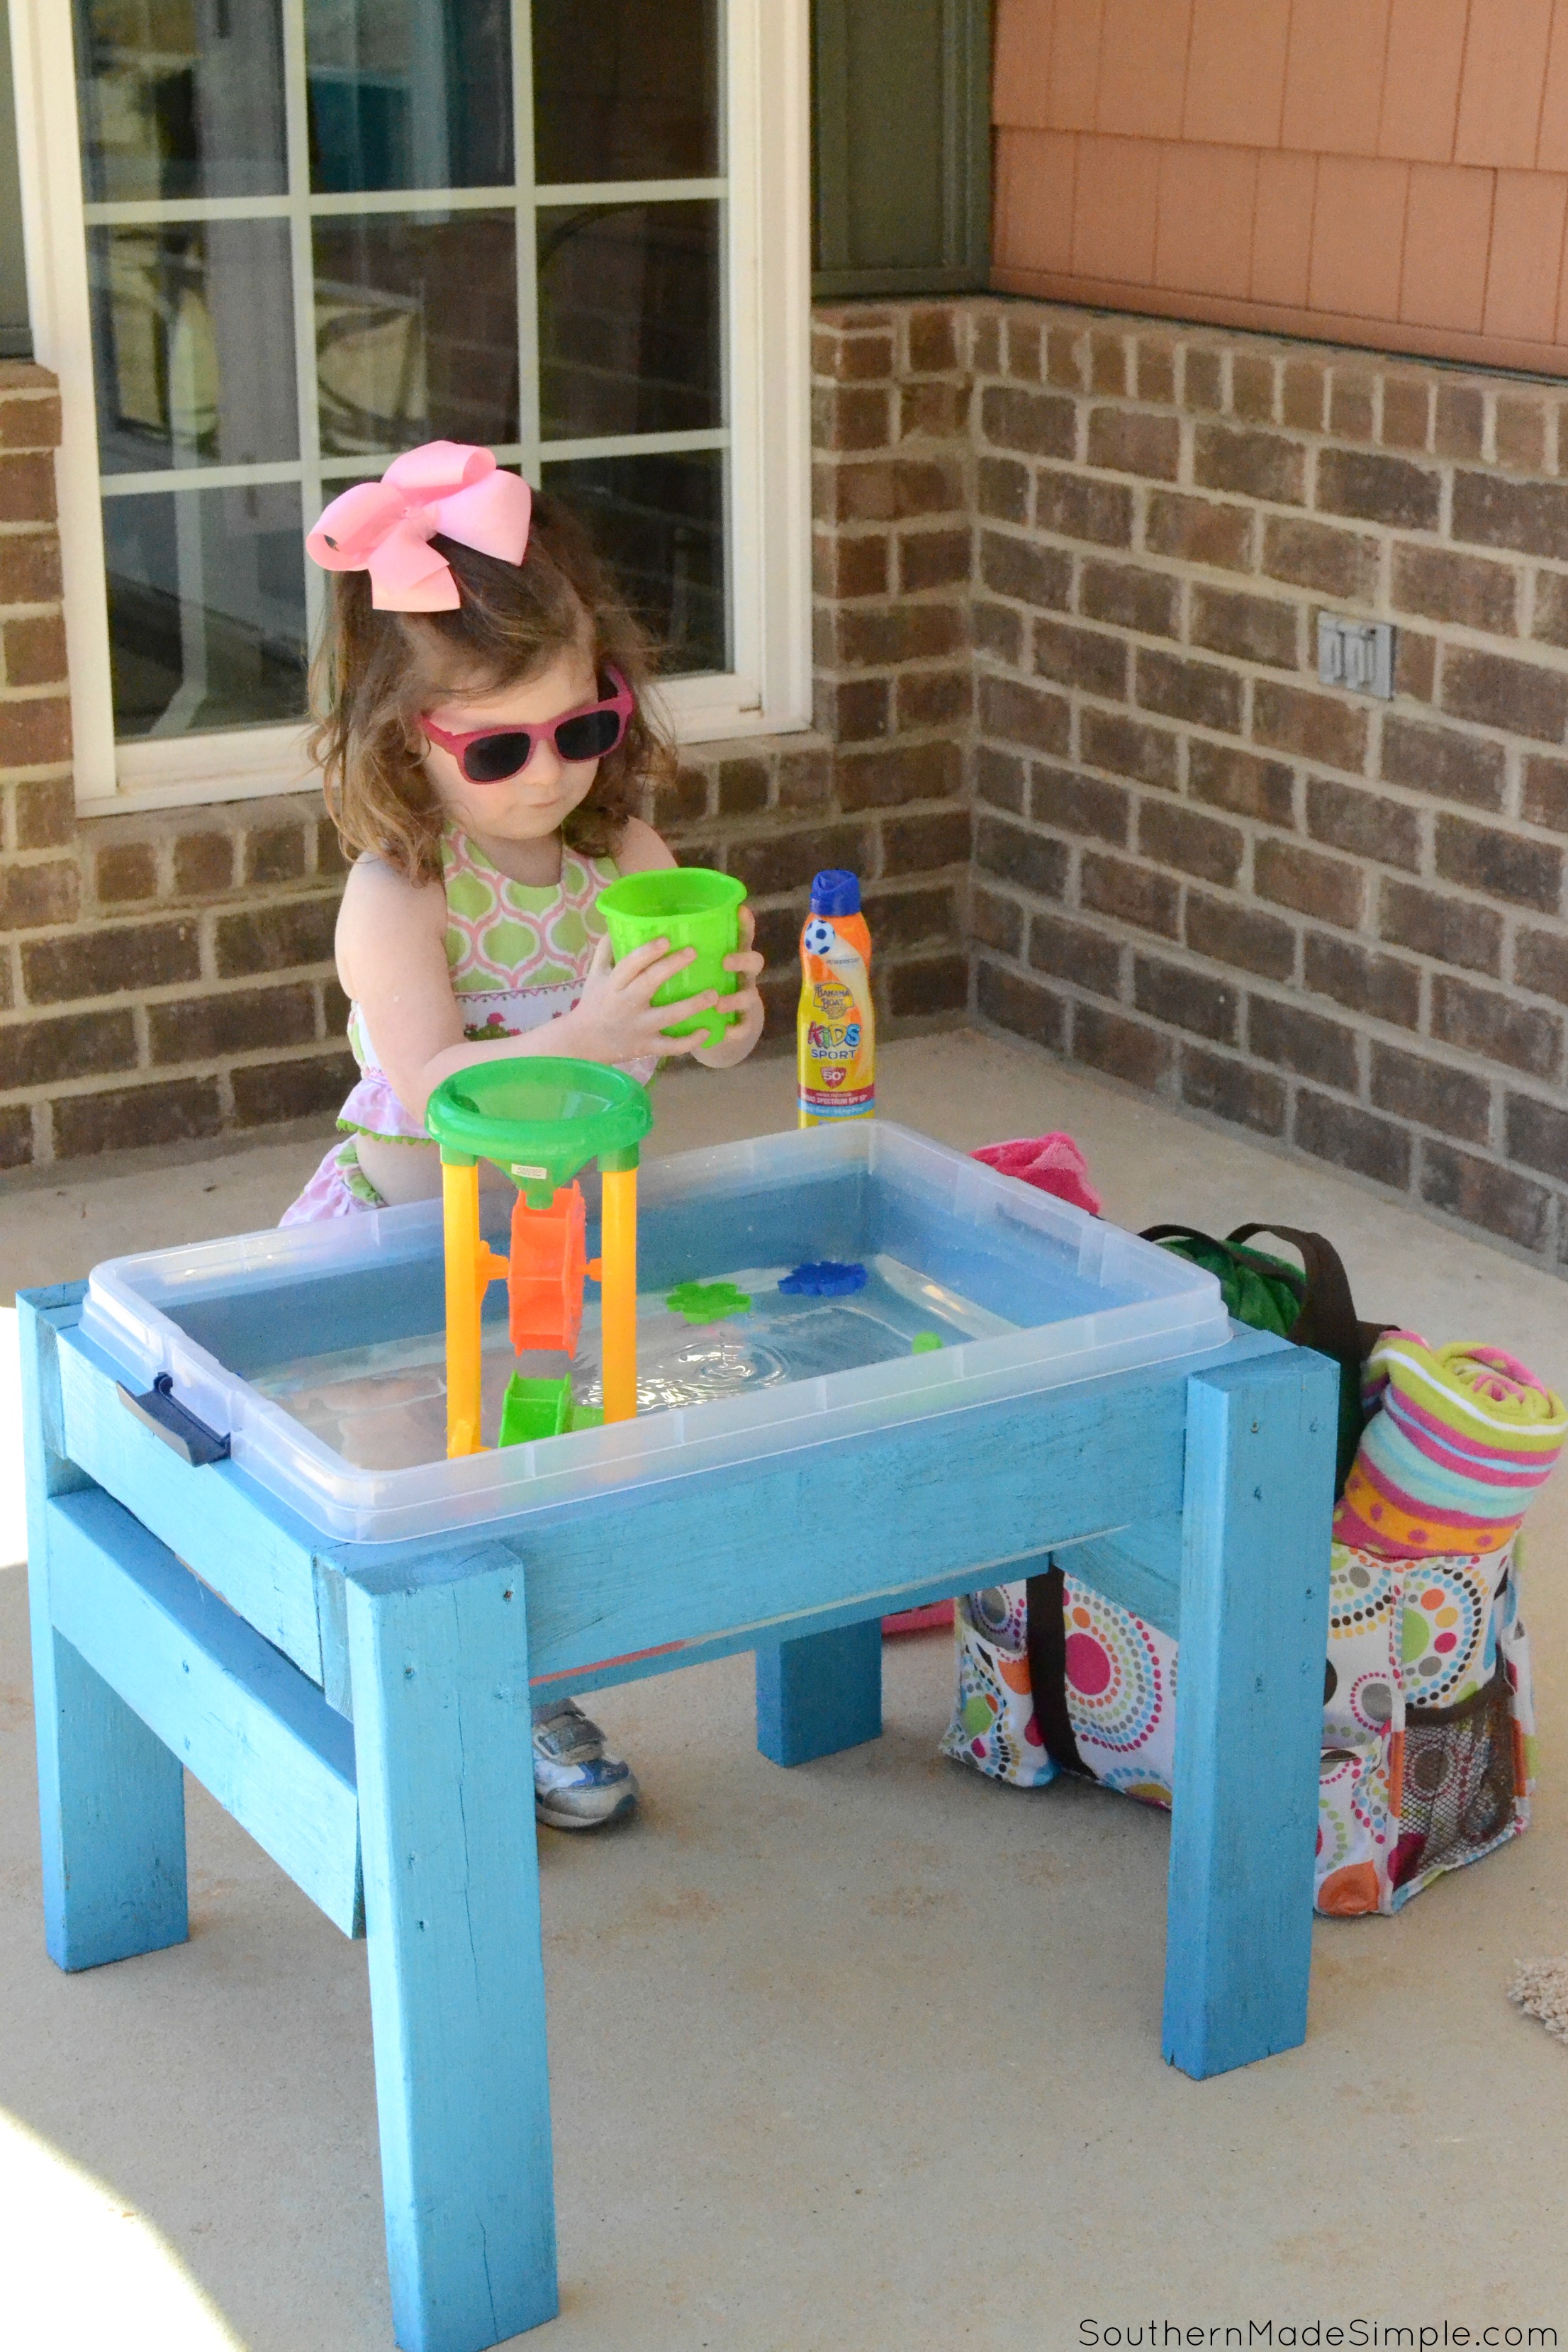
<point>1023,1292</point>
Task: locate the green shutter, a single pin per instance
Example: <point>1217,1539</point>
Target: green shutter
<point>16,340</point>
<point>902,146</point>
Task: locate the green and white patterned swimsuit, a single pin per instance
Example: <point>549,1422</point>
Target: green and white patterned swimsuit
<point>518,954</point>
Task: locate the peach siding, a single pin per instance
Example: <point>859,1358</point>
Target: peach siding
<point>1382,171</point>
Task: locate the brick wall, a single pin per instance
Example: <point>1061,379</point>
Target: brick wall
<point>892,560</point>
<point>160,977</point>
<point>1067,574</point>
<point>1333,921</point>
<point>882,783</point>
<point>169,976</point>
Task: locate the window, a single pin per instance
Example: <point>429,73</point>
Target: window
<point>292,237</point>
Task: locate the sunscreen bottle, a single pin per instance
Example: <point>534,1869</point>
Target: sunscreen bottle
<point>837,1029</point>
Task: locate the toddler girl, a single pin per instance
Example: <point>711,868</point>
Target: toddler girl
<point>484,736</point>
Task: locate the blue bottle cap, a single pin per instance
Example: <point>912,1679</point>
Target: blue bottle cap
<point>836,891</point>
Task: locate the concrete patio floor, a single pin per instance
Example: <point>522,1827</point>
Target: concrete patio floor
<point>862,2055</point>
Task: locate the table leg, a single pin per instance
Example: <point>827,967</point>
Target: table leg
<point>457,1976</point>
<point>820,1693</point>
<point>112,1798</point>
<point>111,1812</point>
<point>1253,1630</point>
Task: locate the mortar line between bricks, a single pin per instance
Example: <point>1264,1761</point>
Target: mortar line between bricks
<point>1284,1148</point>
<point>135,1078</point>
<point>196,988</point>
<point>1457,817</point>
<point>1293,920</point>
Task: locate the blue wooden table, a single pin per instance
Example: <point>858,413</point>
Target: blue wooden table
<point>363,1710</point>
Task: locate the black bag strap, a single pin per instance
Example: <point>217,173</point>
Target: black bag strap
<point>1045,1640</point>
<point>1264,1263</point>
<point>1328,1317</point>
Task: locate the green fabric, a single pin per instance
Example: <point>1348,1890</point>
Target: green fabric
<point>1268,1293</point>
<point>359,1184</point>
<point>1262,1292</point>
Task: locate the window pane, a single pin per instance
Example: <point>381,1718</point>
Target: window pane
<point>194,345</point>
<point>179,97</point>
<point>409,94</point>
<point>659,520</point>
<point>628,319</point>
<point>416,330</point>
<point>206,609</point>
<point>625,90</point>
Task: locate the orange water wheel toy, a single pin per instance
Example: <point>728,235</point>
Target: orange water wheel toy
<point>540,1118</point>
<point>549,1261</point>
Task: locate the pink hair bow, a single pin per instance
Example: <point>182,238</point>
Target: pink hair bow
<point>385,528</point>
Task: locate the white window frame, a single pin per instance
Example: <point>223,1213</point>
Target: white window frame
<point>767,325</point>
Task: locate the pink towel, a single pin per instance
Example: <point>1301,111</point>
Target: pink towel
<point>1052,1163</point>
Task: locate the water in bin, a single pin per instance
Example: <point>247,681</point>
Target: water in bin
<point>385,1408</point>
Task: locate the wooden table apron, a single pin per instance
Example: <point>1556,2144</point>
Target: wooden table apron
<point>362,1710</point>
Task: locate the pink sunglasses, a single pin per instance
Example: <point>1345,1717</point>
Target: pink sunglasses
<point>490,755</point>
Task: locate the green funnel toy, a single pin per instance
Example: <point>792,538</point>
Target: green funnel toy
<point>540,1118</point>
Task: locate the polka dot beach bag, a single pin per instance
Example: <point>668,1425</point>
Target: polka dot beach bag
<point>1428,1743</point>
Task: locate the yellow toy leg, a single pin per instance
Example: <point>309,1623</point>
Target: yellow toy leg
<point>619,1293</point>
<point>465,1291</point>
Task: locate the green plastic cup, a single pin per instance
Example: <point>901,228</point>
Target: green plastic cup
<point>691,906</point>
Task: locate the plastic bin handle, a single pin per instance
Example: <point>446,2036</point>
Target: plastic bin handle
<point>179,1429</point>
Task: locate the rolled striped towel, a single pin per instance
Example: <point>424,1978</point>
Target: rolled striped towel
<point>1461,1441</point>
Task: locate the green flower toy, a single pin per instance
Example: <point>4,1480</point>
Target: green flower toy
<point>707,1302</point>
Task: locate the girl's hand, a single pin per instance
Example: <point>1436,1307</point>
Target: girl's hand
<point>744,1030</point>
<point>615,1020</point>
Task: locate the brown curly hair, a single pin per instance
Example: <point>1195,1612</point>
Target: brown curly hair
<point>376,673</point>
